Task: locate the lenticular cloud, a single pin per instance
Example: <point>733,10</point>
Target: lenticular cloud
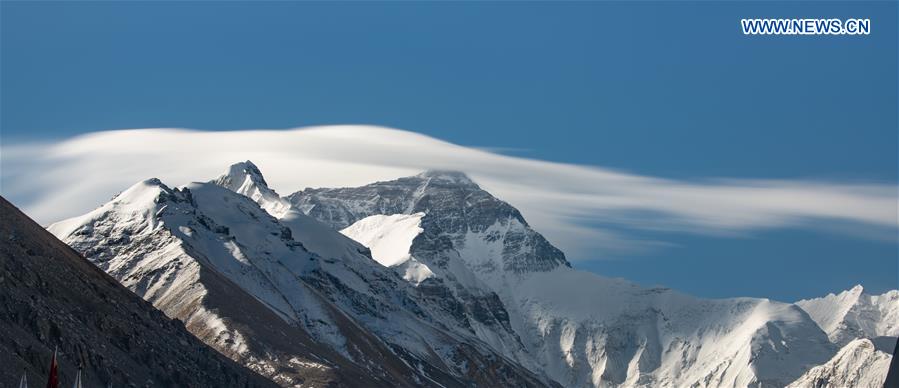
<point>577,207</point>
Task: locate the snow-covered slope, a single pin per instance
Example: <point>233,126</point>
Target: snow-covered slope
<point>390,240</point>
<point>855,314</point>
<point>590,330</point>
<point>290,298</point>
<point>388,237</point>
<point>858,364</point>
<point>579,328</point>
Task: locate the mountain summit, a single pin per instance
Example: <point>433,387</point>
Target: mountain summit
<point>448,177</point>
<point>456,209</point>
<point>246,179</point>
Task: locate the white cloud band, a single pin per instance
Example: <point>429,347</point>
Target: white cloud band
<point>56,180</point>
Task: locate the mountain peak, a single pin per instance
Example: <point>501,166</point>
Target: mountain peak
<point>448,176</point>
<point>152,182</point>
<point>245,178</point>
<point>143,192</point>
<point>238,174</point>
<point>461,216</point>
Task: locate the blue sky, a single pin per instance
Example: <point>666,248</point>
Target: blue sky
<point>662,89</point>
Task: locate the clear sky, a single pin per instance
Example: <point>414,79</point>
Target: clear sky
<point>669,89</point>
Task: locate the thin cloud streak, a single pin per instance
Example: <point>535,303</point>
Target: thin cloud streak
<point>56,180</point>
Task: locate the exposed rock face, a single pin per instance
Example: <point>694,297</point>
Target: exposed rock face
<point>248,284</point>
<point>51,296</point>
<point>455,207</point>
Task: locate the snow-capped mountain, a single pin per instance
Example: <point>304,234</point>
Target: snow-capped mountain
<point>430,281</point>
<point>855,314</point>
<point>290,298</point>
<point>858,364</point>
<point>579,328</point>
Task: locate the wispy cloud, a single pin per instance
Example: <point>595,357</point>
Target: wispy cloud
<point>566,202</point>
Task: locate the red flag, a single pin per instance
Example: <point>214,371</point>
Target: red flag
<point>53,380</point>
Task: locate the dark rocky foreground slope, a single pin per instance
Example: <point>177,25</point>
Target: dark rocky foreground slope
<point>893,374</point>
<point>51,296</point>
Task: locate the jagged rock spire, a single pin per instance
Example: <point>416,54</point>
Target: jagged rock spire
<point>246,179</point>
